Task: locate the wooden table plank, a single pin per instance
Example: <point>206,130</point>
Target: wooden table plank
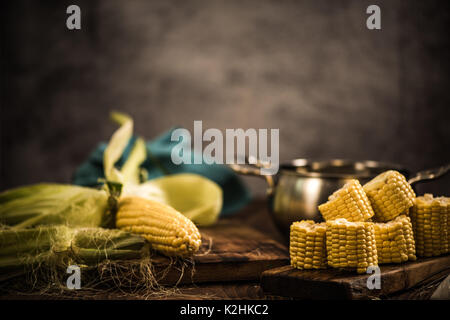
<point>230,251</point>
<point>210,291</point>
<point>338,284</point>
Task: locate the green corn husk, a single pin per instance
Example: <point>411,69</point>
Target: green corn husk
<point>115,148</point>
<point>94,245</point>
<point>22,250</point>
<point>51,204</point>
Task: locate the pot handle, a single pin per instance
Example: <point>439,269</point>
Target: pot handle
<point>255,171</point>
<point>429,174</point>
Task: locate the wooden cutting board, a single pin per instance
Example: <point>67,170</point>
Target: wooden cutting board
<point>230,251</point>
<point>335,284</point>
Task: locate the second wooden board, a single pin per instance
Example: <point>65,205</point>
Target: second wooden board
<point>336,284</point>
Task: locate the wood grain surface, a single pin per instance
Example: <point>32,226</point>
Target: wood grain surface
<point>337,284</point>
<point>230,251</point>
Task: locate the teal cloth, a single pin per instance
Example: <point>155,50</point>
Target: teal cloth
<point>235,193</point>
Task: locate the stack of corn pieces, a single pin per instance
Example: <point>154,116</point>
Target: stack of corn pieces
<point>395,240</point>
<point>351,245</point>
<point>353,240</point>
<point>431,225</point>
<point>307,245</point>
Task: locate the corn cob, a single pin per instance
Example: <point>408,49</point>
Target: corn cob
<point>307,245</point>
<point>390,195</point>
<point>431,225</point>
<point>351,245</point>
<point>167,230</point>
<point>21,249</point>
<point>350,202</point>
<point>394,240</point>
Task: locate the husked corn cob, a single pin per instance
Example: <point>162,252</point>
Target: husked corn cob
<point>395,241</point>
<point>350,202</point>
<point>167,230</point>
<point>307,245</point>
<point>431,225</point>
<point>390,195</point>
<point>351,245</point>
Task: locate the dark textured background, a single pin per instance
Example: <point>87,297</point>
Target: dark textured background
<point>310,68</point>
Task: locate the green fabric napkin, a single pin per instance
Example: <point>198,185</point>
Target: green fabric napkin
<point>159,163</point>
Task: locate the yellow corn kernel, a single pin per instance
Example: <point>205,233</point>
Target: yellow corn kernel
<point>430,219</point>
<point>351,245</point>
<point>394,240</point>
<point>167,230</point>
<point>390,195</point>
<point>307,245</point>
<point>350,202</point>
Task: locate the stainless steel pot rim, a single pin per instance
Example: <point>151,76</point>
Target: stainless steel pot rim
<point>338,168</point>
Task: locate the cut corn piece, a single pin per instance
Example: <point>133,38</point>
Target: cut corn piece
<point>395,241</point>
<point>351,245</point>
<point>390,195</point>
<point>431,225</point>
<point>349,202</point>
<point>167,230</point>
<point>307,245</point>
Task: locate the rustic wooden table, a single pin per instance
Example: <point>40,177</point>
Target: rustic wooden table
<point>256,215</point>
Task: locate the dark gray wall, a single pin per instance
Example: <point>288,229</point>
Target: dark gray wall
<point>309,68</point>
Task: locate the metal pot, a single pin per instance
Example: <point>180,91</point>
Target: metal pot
<point>301,185</point>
